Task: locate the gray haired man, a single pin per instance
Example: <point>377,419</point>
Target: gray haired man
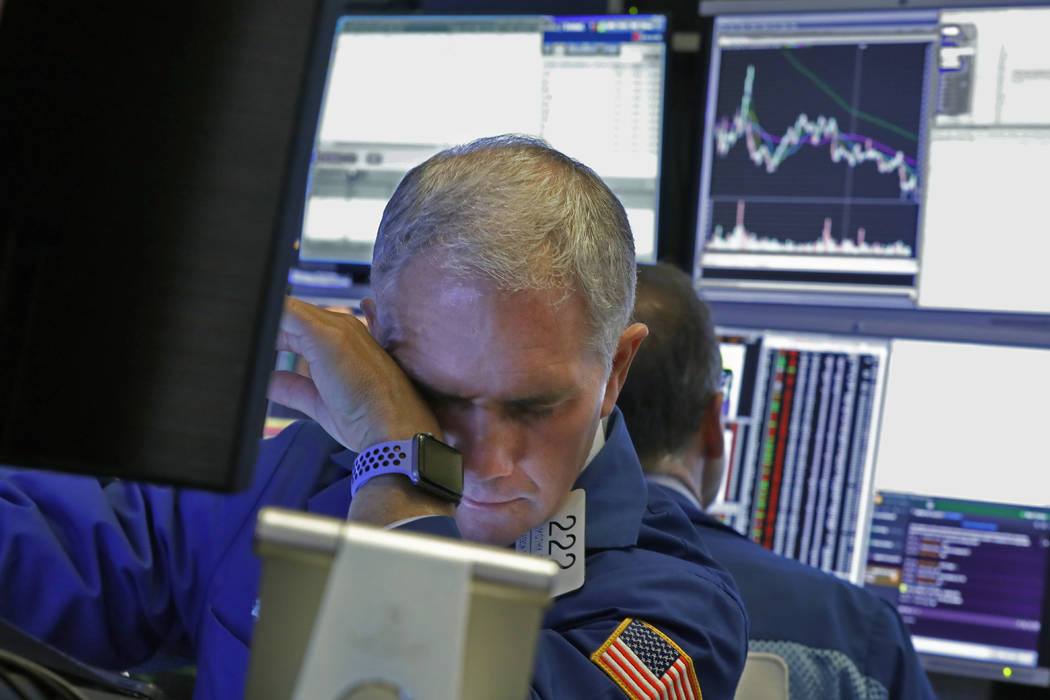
<point>500,330</point>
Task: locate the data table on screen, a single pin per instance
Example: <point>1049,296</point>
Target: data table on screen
<point>401,88</point>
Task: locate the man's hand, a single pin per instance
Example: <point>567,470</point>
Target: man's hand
<point>360,396</point>
<point>355,390</point>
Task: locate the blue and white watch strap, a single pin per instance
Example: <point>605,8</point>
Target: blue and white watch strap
<point>396,457</point>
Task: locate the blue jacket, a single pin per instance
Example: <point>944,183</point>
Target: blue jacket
<point>838,640</point>
<point>124,575</point>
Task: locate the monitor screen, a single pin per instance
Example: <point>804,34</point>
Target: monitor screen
<point>969,578</point>
<point>149,206</point>
<point>801,413</point>
<point>883,158</point>
<point>591,86</point>
<point>934,449</point>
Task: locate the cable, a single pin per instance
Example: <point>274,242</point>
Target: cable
<point>39,674</point>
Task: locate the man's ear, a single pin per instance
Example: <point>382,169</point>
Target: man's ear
<point>626,348</point>
<point>368,307</point>
<point>711,428</point>
<point>711,450</point>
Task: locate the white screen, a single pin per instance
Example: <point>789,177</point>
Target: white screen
<point>986,237</point>
<point>401,89</point>
<point>431,88</point>
<point>966,421</point>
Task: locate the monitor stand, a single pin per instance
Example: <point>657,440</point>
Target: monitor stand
<point>350,611</point>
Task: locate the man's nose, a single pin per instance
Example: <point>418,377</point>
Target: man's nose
<point>490,444</point>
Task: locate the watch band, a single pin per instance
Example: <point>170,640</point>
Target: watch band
<point>395,457</point>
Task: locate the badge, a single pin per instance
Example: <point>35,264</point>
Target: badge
<point>561,539</point>
<point>646,664</point>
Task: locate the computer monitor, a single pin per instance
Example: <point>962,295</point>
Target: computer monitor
<point>969,577</point>
<point>591,86</point>
<point>913,465</point>
<point>876,157</point>
<point>150,199</point>
<point>315,638</point>
<point>800,414</point>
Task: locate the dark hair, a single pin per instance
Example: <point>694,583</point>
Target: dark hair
<point>678,367</point>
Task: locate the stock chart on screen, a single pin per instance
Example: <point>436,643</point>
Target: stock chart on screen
<point>835,179</point>
<point>887,158</point>
<point>813,176</point>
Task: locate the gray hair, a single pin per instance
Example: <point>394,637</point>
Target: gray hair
<point>514,210</point>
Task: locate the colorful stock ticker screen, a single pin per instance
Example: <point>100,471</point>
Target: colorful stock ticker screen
<point>896,464</point>
<point>884,156</point>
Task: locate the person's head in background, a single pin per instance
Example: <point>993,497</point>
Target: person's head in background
<point>504,275</point>
<point>672,398</point>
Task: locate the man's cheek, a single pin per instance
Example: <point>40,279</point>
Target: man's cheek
<point>451,422</point>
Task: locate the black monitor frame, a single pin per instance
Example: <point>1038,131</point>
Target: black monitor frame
<point>149,204</point>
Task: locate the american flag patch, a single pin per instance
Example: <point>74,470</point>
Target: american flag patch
<point>646,664</point>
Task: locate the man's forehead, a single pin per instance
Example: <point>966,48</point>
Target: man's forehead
<point>473,368</point>
<point>468,321</point>
<point>463,336</point>
<point>433,285</point>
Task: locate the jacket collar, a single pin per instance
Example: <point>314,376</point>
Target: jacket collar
<point>687,501</point>
<point>616,490</point>
<point>675,485</point>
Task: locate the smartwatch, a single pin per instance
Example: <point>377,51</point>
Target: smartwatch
<point>431,465</point>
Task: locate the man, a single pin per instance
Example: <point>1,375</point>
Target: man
<point>503,277</point>
<point>838,640</point>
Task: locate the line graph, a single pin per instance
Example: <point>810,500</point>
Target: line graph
<point>822,144</point>
<point>770,151</point>
<point>840,101</point>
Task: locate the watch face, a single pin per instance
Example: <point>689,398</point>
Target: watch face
<point>440,465</point>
